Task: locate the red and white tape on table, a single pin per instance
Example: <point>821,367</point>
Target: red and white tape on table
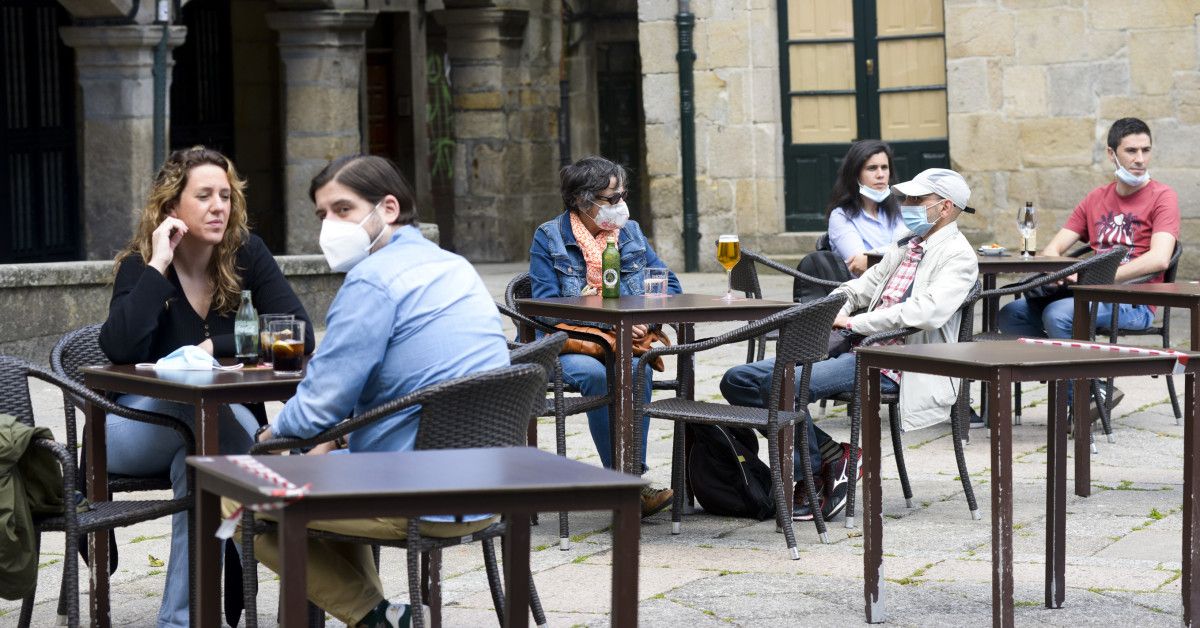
<point>1181,358</point>
<point>284,489</point>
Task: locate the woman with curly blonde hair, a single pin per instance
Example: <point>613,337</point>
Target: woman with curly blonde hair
<point>178,283</point>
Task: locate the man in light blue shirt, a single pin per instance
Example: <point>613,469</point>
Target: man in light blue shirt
<point>409,315</point>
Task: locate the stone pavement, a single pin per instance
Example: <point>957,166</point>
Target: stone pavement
<point>1123,549</point>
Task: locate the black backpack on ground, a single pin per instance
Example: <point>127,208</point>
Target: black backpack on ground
<point>726,474</point>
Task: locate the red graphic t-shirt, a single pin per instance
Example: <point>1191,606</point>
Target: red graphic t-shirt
<point>1105,219</point>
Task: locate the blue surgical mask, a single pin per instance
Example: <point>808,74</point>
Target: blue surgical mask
<point>188,358</point>
<point>916,218</point>
<point>876,195</point>
<point>1130,179</point>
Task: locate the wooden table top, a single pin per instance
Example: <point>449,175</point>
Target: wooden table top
<point>442,473</point>
<point>1010,353</point>
<point>675,308</point>
<point>1188,290</point>
<point>113,376</point>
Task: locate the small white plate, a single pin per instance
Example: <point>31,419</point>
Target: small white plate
<point>987,250</point>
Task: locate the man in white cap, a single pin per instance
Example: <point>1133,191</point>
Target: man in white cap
<point>921,282</point>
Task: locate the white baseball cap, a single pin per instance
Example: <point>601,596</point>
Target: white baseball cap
<point>941,181</point>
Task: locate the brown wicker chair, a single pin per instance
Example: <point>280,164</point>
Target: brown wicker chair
<point>803,334</point>
<point>488,409</point>
<point>558,404</point>
<point>100,516</point>
<point>1096,270</point>
<point>959,415</point>
<point>1163,331</point>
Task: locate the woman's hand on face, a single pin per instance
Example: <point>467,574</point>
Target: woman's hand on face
<point>858,264</point>
<point>640,330</point>
<point>163,242</point>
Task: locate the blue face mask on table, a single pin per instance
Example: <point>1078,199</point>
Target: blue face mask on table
<point>916,218</point>
<point>188,358</point>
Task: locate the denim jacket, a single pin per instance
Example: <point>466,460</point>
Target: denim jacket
<point>557,269</point>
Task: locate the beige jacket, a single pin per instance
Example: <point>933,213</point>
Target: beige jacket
<point>946,274</point>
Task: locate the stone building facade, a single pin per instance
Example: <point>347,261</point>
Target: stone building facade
<point>481,101</point>
<point>1031,85</point>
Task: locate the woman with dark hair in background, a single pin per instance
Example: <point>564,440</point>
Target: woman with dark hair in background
<point>863,214</point>
<point>564,261</point>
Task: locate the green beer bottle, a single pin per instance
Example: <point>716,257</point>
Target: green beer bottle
<point>611,263</point>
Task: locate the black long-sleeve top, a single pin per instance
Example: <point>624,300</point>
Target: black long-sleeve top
<point>149,315</point>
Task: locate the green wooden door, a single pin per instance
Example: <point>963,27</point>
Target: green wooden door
<point>858,69</point>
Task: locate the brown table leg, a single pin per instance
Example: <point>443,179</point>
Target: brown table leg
<point>1056,495</point>
<point>626,530</point>
<point>787,445</point>
<point>872,497</point>
<point>1082,420</point>
<point>1191,501</point>
<point>622,420</point>
<point>206,607</point>
<point>293,552</point>
<point>97,491</point>
<point>516,570</point>
<point>1002,551</point>
<point>991,307</point>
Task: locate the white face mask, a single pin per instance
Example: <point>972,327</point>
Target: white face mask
<point>188,358</point>
<point>876,195</point>
<point>1130,179</point>
<point>611,217</point>
<point>345,244</point>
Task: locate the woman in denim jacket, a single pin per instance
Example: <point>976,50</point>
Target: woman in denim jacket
<point>564,261</point>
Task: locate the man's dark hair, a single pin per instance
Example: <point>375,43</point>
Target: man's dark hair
<point>845,187</point>
<point>1126,126</point>
<point>372,178</point>
<point>584,179</point>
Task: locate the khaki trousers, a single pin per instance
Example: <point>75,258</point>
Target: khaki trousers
<point>341,576</point>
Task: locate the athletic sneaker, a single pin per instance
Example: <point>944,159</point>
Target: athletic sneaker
<point>1117,397</point>
<point>838,473</point>
<point>388,615</point>
<point>800,508</point>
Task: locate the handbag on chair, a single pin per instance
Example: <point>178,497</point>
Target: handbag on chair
<point>587,347</point>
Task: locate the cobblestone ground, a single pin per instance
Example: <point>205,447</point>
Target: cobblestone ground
<point>1123,552</point>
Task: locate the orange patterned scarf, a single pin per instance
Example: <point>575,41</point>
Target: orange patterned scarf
<point>593,249</point>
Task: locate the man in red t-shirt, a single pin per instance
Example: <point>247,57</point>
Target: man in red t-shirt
<point>1133,211</point>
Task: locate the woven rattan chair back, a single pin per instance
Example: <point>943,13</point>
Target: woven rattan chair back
<point>966,324</point>
<point>76,350</point>
<point>14,389</point>
<point>542,352</point>
<point>803,339</point>
<point>491,409</point>
<point>519,287</point>
<point>744,278</point>
<point>1101,268</point>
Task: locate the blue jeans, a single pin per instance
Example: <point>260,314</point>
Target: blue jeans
<point>142,449</point>
<point>750,385</point>
<point>1055,320</point>
<point>588,375</point>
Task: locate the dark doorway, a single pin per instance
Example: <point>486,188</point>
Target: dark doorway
<point>619,86</point>
<point>858,69</point>
<point>38,163</point>
<point>390,93</point>
<point>202,81</point>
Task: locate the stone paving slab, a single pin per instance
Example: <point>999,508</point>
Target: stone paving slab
<point>1122,542</point>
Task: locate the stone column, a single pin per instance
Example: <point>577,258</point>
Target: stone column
<point>322,54</point>
<point>504,75</point>
<point>116,82</point>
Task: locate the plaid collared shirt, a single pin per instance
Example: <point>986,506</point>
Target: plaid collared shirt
<point>897,287</point>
